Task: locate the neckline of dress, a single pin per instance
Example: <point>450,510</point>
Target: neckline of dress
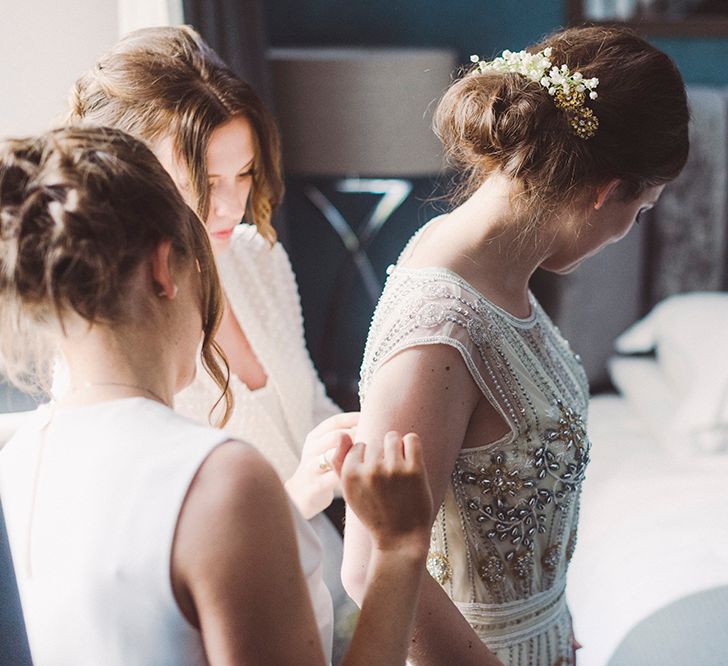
<point>460,280</point>
<point>260,391</point>
<point>60,410</point>
<point>519,321</point>
<point>226,262</point>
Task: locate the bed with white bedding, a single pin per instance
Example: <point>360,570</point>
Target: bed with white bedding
<point>653,530</point>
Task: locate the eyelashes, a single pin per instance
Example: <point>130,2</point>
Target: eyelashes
<point>250,173</point>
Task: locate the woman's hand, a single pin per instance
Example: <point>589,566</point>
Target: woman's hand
<point>315,481</point>
<point>386,486</point>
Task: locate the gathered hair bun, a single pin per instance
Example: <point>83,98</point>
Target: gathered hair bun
<point>80,209</point>
<point>55,245</point>
<point>491,121</point>
<point>502,121</point>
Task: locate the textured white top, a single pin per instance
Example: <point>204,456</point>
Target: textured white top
<point>94,571</point>
<point>262,291</point>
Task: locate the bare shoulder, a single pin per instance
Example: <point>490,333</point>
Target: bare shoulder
<point>231,504</point>
<point>234,477</point>
<point>421,388</point>
<point>236,572</point>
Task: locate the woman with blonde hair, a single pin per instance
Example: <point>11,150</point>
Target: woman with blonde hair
<point>138,535</point>
<point>211,132</point>
<point>561,146</point>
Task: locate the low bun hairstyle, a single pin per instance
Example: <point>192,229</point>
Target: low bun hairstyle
<point>495,121</point>
<point>157,82</point>
<point>80,210</point>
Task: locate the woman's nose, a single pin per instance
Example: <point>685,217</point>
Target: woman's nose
<point>229,202</point>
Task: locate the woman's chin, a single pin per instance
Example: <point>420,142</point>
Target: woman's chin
<point>560,269</point>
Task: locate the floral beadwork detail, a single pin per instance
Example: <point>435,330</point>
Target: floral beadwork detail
<point>438,566</point>
<point>496,479</point>
<point>499,507</point>
<point>430,315</point>
<point>477,331</point>
<point>412,307</point>
<point>435,290</point>
<point>571,435</point>
<point>572,425</point>
<point>521,565</point>
<point>492,570</point>
<point>510,498</point>
<point>550,558</point>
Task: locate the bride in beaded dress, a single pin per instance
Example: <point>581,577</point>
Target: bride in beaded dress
<point>460,351</point>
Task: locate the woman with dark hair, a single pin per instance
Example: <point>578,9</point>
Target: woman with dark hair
<point>561,146</point>
<point>140,536</point>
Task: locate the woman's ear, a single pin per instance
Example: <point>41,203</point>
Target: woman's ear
<point>162,271</point>
<point>605,191</point>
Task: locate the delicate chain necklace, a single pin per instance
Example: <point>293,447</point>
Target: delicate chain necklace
<point>136,387</point>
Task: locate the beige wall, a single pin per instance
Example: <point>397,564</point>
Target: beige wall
<point>44,46</point>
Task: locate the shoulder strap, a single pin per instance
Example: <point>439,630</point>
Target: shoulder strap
<point>424,308</point>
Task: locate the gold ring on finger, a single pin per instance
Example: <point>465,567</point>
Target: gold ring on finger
<point>324,464</point>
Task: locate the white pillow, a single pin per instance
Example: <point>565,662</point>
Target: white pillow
<point>645,388</point>
<point>689,334</point>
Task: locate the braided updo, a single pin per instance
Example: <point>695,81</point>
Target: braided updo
<point>80,210</point>
<point>501,121</point>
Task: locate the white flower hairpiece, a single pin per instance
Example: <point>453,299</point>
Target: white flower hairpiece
<point>568,89</point>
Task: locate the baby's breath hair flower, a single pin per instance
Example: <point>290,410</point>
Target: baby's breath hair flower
<point>569,89</point>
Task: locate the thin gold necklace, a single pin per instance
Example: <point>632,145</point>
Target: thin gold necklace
<point>136,387</point>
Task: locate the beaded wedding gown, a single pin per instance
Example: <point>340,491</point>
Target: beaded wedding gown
<point>506,530</point>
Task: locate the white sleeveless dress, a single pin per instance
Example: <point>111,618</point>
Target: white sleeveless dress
<point>92,545</point>
<point>506,530</point>
<point>261,288</point>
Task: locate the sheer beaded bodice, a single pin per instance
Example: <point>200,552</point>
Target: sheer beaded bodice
<point>507,527</point>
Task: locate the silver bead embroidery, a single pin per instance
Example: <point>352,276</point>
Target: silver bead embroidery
<point>517,500</point>
<point>430,315</point>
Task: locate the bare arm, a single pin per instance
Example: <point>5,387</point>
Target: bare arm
<point>386,485</point>
<point>235,565</point>
<point>426,389</point>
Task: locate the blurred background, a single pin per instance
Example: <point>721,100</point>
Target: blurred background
<point>353,86</point>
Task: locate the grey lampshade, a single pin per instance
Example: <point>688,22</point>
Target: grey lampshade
<point>359,112</point>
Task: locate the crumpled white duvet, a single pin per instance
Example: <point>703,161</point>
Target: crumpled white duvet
<point>652,529</point>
